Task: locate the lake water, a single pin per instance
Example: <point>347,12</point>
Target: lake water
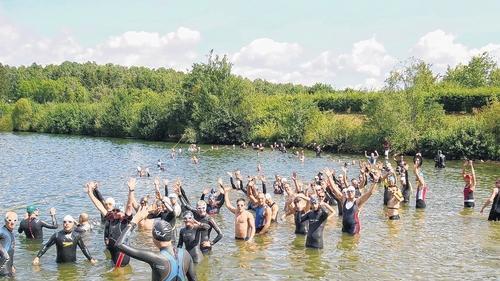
<point>443,242</point>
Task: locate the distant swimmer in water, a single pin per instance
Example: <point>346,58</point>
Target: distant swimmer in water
<point>66,242</point>
<point>244,222</point>
<point>372,159</point>
<point>439,160</point>
<point>170,263</point>
<point>143,172</point>
<point>33,227</point>
<point>470,184</point>
<point>7,245</point>
<point>160,165</point>
<point>495,201</point>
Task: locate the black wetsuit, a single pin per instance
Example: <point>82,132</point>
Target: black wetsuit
<point>166,265</point>
<point>205,234</point>
<point>191,239</point>
<point>240,187</point>
<point>300,226</point>
<point>406,190</point>
<point>316,220</point>
<point>350,220</point>
<point>7,245</point>
<point>32,227</point>
<point>66,246</point>
<point>213,210</point>
<point>495,209</point>
<point>440,161</point>
<point>113,228</point>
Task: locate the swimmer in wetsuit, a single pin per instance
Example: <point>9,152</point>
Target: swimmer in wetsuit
<point>316,218</point>
<point>470,185</point>
<point>201,215</point>
<point>350,204</point>
<point>263,214</point>
<point>167,265</point>
<point>115,222</point>
<point>32,226</point>
<point>494,199</point>
<point>395,195</point>
<point>214,201</point>
<point>190,236</point>
<point>7,245</point>
<point>66,241</point>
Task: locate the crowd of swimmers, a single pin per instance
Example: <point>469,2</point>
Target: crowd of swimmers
<point>309,203</point>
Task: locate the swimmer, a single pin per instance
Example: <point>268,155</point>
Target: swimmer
<point>7,245</point>
<point>168,264</point>
<point>350,204</point>
<point>214,201</point>
<point>66,241</point>
<point>470,184</point>
<point>395,195</point>
<point>83,223</point>
<point>115,222</point>
<point>263,214</point>
<point>190,236</point>
<point>495,201</point>
<point>33,227</point>
<point>244,222</point>
<point>372,159</point>
<point>439,160</point>
<point>316,218</point>
<point>422,188</point>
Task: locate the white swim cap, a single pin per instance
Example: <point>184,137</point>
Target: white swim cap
<point>110,200</point>
<point>69,218</point>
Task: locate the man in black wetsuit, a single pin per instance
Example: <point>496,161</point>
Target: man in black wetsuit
<point>7,245</point>
<point>115,222</point>
<point>316,218</point>
<point>190,236</point>
<point>66,241</point>
<point>201,215</point>
<point>168,264</point>
<point>32,226</point>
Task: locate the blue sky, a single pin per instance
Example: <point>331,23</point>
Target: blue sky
<point>344,43</point>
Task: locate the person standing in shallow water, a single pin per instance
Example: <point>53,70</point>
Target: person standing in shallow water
<point>422,188</point>
<point>33,227</point>
<point>7,245</point>
<point>470,184</point>
<point>495,201</point>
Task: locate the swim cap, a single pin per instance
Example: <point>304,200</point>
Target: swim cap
<point>351,188</point>
<point>268,196</point>
<point>173,195</point>
<point>68,218</point>
<point>211,197</point>
<point>110,200</point>
<point>188,215</point>
<point>31,209</point>
<point>162,231</point>
<point>313,200</point>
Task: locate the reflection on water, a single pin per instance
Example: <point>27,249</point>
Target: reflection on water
<point>444,241</point>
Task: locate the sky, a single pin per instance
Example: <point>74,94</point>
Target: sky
<point>342,43</point>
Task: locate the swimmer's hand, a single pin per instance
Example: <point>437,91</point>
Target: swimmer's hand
<point>93,261</point>
<point>141,214</point>
<point>229,174</point>
<point>131,184</point>
<point>156,182</point>
<point>36,261</point>
<point>219,182</point>
<point>206,190</point>
<point>52,211</point>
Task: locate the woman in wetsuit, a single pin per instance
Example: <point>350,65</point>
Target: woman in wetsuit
<point>190,236</point>
<point>7,245</point>
<point>495,201</point>
<point>470,185</point>
<point>66,241</point>
<point>167,265</point>
<point>350,204</point>
<point>395,195</point>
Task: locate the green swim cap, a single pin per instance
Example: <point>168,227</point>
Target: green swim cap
<point>31,209</point>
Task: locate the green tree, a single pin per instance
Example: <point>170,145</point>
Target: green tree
<point>22,115</point>
<point>477,73</point>
<point>415,74</point>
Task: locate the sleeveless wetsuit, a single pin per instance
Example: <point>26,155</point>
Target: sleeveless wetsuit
<point>421,194</point>
<point>190,238</point>
<point>112,230</point>
<point>350,219</point>
<point>66,246</point>
<point>495,209</point>
<point>468,197</point>
<point>7,245</point>
<point>300,226</point>
<point>316,220</point>
<point>259,218</point>
<point>32,227</point>
<point>166,265</point>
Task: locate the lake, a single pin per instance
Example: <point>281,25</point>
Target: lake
<point>443,242</point>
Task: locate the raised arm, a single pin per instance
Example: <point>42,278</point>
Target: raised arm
<point>376,154</point>
<point>131,195</point>
<point>364,197</point>
<point>227,201</point>
<point>332,185</point>
<point>54,225</point>
<point>91,187</point>
<point>473,180</point>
